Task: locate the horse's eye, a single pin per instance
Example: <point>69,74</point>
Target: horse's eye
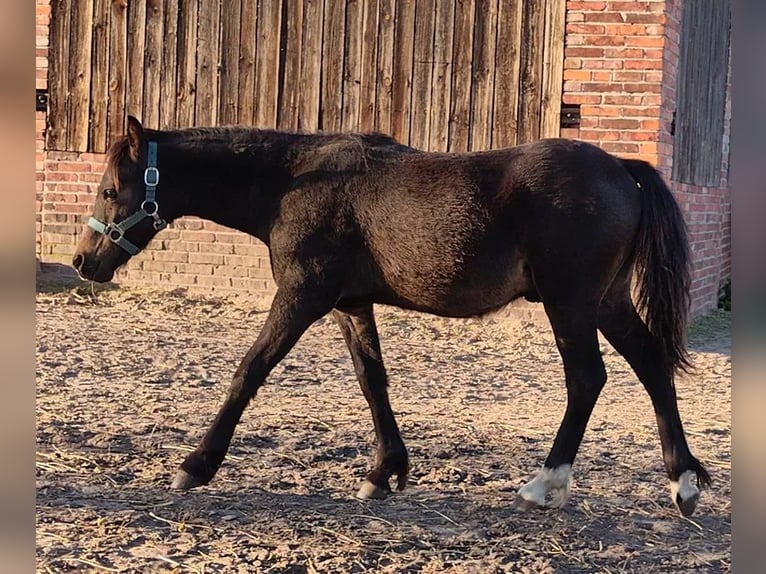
<point>110,194</point>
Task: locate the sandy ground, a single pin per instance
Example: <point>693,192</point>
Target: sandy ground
<point>128,381</point>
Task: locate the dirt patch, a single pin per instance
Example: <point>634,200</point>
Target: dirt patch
<point>127,382</point>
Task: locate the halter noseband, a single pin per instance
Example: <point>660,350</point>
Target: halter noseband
<point>149,208</point>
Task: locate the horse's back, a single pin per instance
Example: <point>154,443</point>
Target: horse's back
<point>461,233</point>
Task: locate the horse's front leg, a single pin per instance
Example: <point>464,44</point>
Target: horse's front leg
<point>361,335</point>
<point>292,312</point>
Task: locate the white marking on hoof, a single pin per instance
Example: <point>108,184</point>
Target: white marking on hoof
<point>368,491</point>
<point>549,488</point>
<point>684,492</point>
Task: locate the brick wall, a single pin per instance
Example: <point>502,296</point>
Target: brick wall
<point>620,66</point>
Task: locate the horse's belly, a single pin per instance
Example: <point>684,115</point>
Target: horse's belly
<point>458,288</point>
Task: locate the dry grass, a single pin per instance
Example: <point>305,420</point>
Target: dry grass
<point>120,402</point>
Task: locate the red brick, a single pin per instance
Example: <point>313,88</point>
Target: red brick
<point>576,75</point>
<point>204,257</point>
<point>618,124</point>
<point>641,87</point>
<point>583,52</point>
<point>585,29</point>
<point>643,64</point>
<point>585,6</point>
<point>574,98</point>
<point>603,17</point>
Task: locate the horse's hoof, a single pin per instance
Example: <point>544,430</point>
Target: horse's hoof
<point>685,493</point>
<point>185,481</point>
<point>370,491</point>
<point>687,506</point>
<point>523,505</point>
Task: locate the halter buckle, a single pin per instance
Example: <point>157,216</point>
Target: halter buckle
<point>152,177</point>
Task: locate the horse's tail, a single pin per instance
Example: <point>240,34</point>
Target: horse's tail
<point>663,264</point>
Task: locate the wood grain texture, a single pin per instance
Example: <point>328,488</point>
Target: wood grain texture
<point>531,74</point>
<point>385,66</point>
<point>58,75</point>
<point>506,106</point>
<point>169,76</point>
<point>462,71</point>
<point>311,66</point>
<point>208,29</point>
<point>186,76</point>
<point>352,66</point>
<point>701,92</point>
<point>99,88</point>
<point>248,35</point>
<point>441,79</point>
<point>136,44</point>
<point>553,70</point>
<point>267,63</point>
<point>369,84</point>
<point>333,51</point>
<point>485,28</point>
<point>155,38</point>
<point>228,97</point>
<point>80,37</point>
<point>118,69</point>
<point>404,39</point>
<point>422,72</point>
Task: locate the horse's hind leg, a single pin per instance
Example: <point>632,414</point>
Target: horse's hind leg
<point>361,335</point>
<point>628,334</point>
<point>576,338</point>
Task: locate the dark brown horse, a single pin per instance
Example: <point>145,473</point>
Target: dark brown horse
<point>354,220</point>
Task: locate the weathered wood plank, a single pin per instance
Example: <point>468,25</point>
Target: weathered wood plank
<point>462,71</point>
<point>247,49</point>
<point>135,54</point>
<point>352,66</point>
<point>368,84</point>
<point>404,43</point>
<point>702,85</point>
<point>208,57</point>
<point>506,106</point>
<point>531,75</point>
<point>291,74</point>
<point>228,87</point>
<point>80,37</point>
<point>186,81</point>
<point>118,67</point>
<point>485,27</point>
<point>155,37</point>
<point>385,66</point>
<point>58,75</point>
<point>332,66</point>
<point>422,71</point>
<point>441,80</point>
<point>169,75</point>
<point>311,66</point>
<point>553,69</point>
<point>267,63</point>
<point>99,89</point>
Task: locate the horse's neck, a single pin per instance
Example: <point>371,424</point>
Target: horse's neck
<point>237,185</point>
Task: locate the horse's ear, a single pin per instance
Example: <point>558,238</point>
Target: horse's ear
<point>135,137</point>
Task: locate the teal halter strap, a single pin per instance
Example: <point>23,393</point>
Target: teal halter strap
<point>149,208</point>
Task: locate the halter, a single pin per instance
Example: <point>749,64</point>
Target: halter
<point>149,208</point>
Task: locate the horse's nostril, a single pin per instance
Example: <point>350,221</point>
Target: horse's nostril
<point>77,261</point>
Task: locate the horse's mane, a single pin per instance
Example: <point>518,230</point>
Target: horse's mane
<point>114,155</point>
<point>333,151</point>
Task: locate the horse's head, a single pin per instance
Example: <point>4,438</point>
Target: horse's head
<point>126,216</point>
